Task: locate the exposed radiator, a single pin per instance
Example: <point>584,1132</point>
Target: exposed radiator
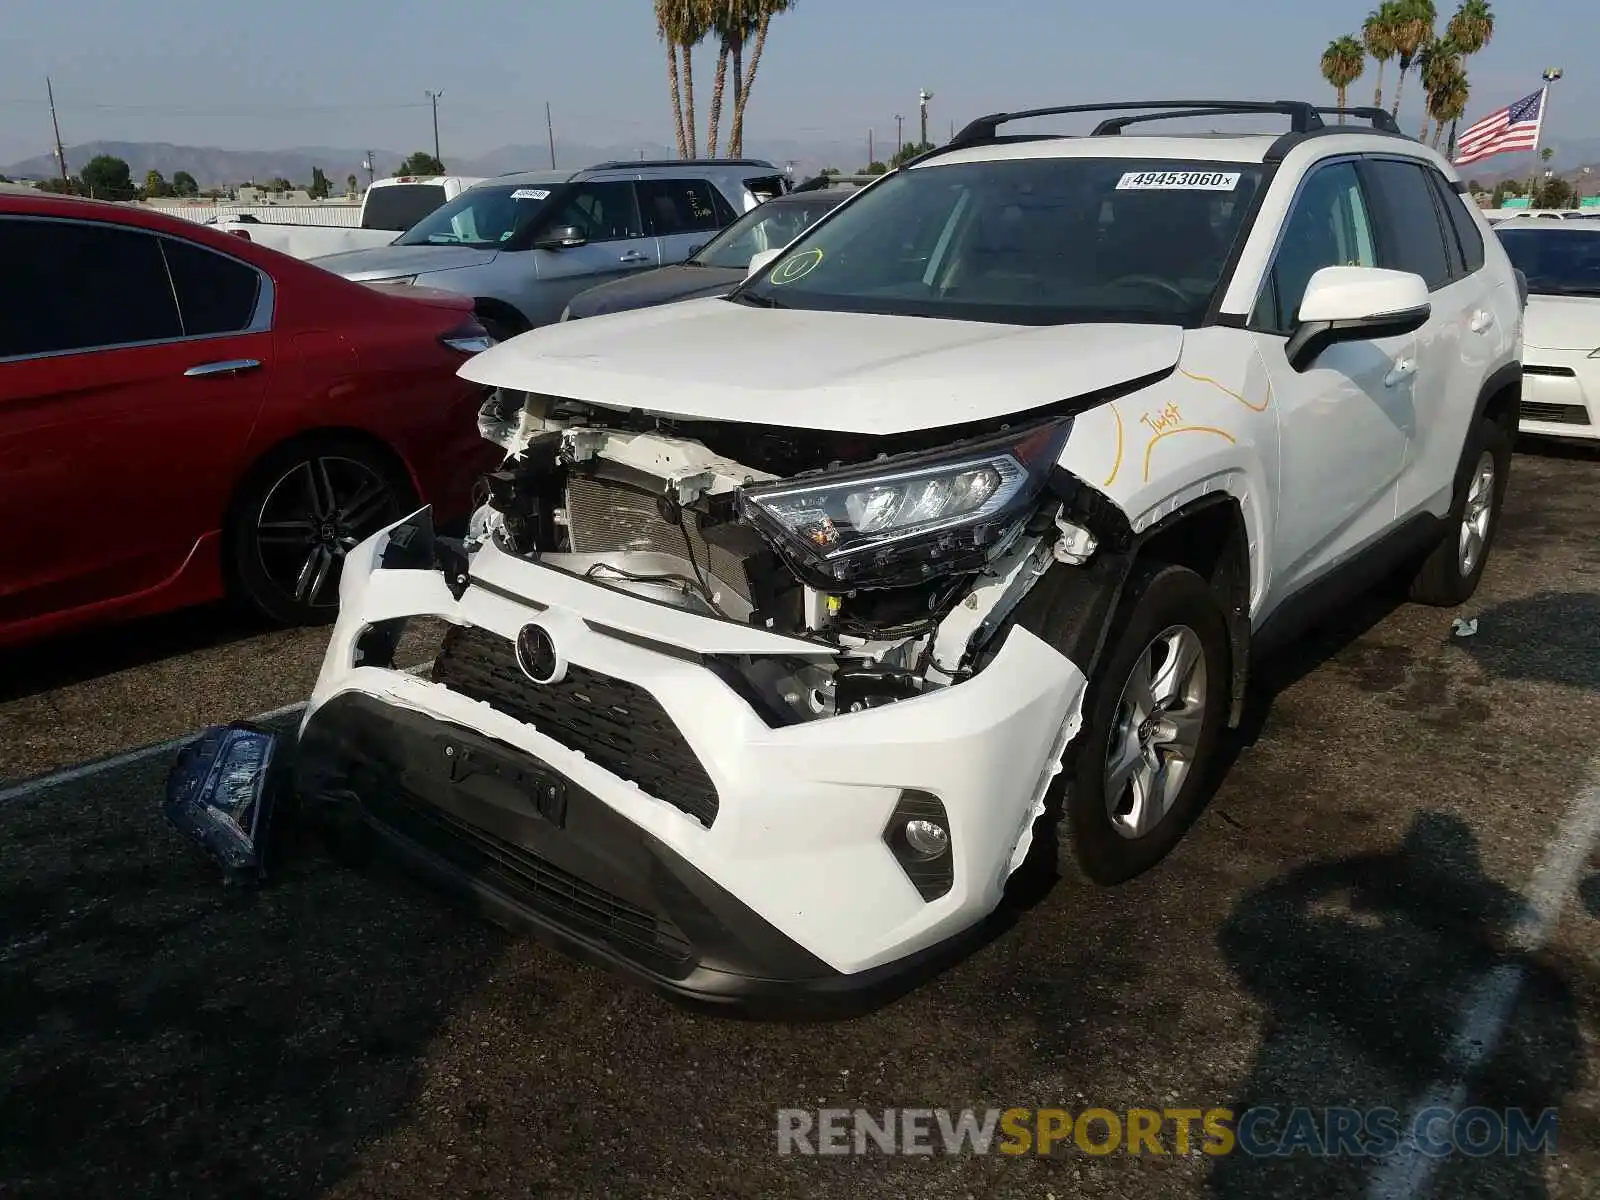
<point>605,518</point>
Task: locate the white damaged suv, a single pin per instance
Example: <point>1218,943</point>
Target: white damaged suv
<point>792,615</point>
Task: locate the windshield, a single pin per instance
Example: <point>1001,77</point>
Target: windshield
<point>1557,262</point>
<point>1043,241</point>
<point>481,216</point>
<point>770,226</point>
<point>399,206</point>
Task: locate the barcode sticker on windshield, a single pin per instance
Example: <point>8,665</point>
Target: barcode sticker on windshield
<point>1178,181</point>
<point>530,194</point>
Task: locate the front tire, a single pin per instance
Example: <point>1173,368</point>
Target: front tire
<point>1450,575</point>
<point>1155,710</point>
<point>295,516</point>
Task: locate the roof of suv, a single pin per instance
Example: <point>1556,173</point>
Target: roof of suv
<point>982,141</point>
<point>652,167</point>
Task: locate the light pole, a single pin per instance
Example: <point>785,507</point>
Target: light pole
<point>899,135</point>
<point>434,97</point>
<point>366,165</point>
<point>922,102</point>
<point>1551,74</point>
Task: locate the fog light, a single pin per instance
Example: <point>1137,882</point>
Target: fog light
<point>926,840</point>
<point>918,835</point>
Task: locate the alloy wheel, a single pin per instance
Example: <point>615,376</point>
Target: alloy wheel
<point>1155,732</point>
<point>312,516</point>
<point>1475,517</point>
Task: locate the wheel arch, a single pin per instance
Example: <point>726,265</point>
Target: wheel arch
<point>1500,398</point>
<point>1078,604</point>
<point>499,310</point>
<point>305,437</point>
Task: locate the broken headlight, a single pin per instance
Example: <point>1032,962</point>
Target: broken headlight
<point>898,522</point>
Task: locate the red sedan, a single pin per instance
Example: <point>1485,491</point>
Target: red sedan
<point>184,415</point>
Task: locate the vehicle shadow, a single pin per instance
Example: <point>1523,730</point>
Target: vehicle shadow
<point>1388,983</point>
<point>1549,637</point>
<point>161,1035</point>
<point>71,658</point>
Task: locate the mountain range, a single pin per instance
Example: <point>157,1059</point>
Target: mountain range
<point>215,167</point>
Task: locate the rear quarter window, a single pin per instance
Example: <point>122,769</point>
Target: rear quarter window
<point>215,294</point>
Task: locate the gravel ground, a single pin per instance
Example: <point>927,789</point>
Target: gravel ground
<point>1314,941</point>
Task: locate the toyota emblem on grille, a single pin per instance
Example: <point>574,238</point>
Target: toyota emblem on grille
<point>537,655</point>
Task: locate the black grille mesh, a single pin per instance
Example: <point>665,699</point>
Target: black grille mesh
<point>1561,414</point>
<point>534,882</point>
<point>617,725</point>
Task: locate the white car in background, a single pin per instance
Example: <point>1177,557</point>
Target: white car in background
<point>1561,364</point>
<point>390,207</point>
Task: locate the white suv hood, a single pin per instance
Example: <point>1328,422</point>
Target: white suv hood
<point>1562,323</point>
<point>844,372</point>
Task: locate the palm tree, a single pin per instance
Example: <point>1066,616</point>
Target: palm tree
<point>1413,31</point>
<point>1439,64</point>
<point>1449,104</point>
<point>682,25</point>
<point>1377,34</point>
<point>766,10</point>
<point>1470,30</point>
<point>1342,64</point>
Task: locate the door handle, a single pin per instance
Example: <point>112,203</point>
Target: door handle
<point>1481,321</point>
<point>1403,368</point>
<point>229,366</point>
<point>632,256</point>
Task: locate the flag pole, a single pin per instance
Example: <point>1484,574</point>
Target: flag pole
<point>1550,76</point>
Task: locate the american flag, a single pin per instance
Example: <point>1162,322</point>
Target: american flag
<point>1512,128</point>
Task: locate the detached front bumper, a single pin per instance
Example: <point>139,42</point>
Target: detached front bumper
<point>641,811</point>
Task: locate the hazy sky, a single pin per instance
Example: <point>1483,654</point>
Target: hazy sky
<point>281,73</point>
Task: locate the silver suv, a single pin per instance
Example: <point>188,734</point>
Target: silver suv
<point>522,245</point>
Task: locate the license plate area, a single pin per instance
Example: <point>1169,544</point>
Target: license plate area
<point>523,785</point>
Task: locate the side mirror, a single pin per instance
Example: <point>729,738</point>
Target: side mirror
<point>761,261</point>
<point>1356,304</point>
<point>560,237</point>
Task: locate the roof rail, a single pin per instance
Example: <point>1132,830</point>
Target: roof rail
<point>1380,118</point>
<point>1303,115</point>
<point>624,164</point>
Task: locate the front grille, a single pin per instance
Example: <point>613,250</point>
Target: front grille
<point>615,724</point>
<point>607,518</point>
<point>1559,414</point>
<point>651,940</point>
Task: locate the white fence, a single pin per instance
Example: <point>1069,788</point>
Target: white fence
<point>346,216</point>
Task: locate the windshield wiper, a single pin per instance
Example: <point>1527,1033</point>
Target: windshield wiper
<point>756,301</point>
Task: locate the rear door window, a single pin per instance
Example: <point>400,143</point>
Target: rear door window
<point>215,294</point>
<point>87,287</point>
<point>1468,240</point>
<point>674,206</point>
<point>1410,235</point>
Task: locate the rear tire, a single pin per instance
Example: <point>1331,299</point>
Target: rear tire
<point>296,514</point>
<point>1450,574</point>
<point>1154,712</point>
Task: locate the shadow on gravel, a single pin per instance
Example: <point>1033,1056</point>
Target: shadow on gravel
<point>75,657</point>
<point>1369,968</point>
<point>1551,637</point>
<point>161,1036</point>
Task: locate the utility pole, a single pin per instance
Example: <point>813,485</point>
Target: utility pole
<point>549,128</point>
<point>871,158</point>
<point>922,102</point>
<point>61,154</point>
<point>899,134</point>
<point>434,97</point>
<point>368,167</point>
<point>1551,74</point>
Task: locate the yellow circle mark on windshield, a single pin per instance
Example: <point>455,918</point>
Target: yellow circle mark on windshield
<point>798,267</point>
